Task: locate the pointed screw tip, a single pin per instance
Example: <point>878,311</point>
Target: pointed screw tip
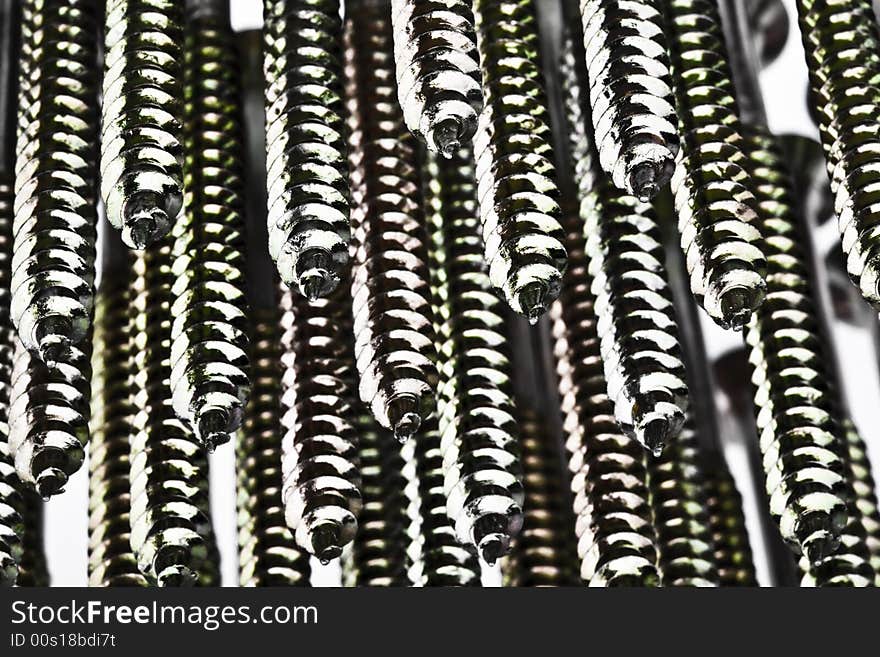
<point>50,482</point>
<point>533,301</point>
<point>403,416</point>
<point>447,137</point>
<point>492,548</point>
<point>325,543</point>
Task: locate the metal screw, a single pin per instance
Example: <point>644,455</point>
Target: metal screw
<point>733,554</point>
<point>678,494</point>
<point>633,115</point>
<point>308,201</point>
<point>209,352</point>
<point>842,46</point>
<point>517,190</point>
<point>438,72</point>
<point>48,417</point>
<point>864,494</point>
<point>714,193</point>
<point>53,261</point>
<point>393,323</point>
<point>11,499</point>
<point>171,532</point>
<point>796,402</point>
<point>111,560</point>
<point>141,133</point>
<point>379,551</point>
<point>437,557</point>
<point>478,428</point>
<point>614,525</point>
<point>545,552</point>
<point>321,489</point>
<point>267,552</point>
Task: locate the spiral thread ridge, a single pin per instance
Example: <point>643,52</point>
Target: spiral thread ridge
<point>842,44</point>
<point>633,113</point>
<point>308,202</point>
<point>321,489</point>
<point>142,118</point>
<point>733,552</point>
<point>11,490</point>
<point>545,552</point>
<point>393,320</point>
<point>477,422</point>
<point>677,485</point>
<point>796,400</point>
<point>379,551</point>
<point>436,556</point>
<point>267,552</point>
<point>171,532</point>
<point>714,194</point>
<point>209,332</point>
<point>516,178</point>
<point>111,559</point>
<point>53,257</point>
<point>864,500</point>
<point>617,543</point>
<point>438,71</point>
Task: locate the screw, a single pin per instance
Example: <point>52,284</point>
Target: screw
<point>48,417</point>
<point>393,324</point>
<point>633,114</point>
<point>853,564</point>
<point>53,261</point>
<point>477,421</point>
<point>795,392</point>
<point>209,356</point>
<point>319,449</point>
<point>733,553</point>
<point>545,552</point>
<point>677,486</point>
<point>267,552</point>
<point>517,190</point>
<point>842,46</point>
<point>437,557</point>
<point>614,526</point>
<point>438,71</point>
<point>171,532</point>
<point>111,560</point>
<point>308,201</point>
<point>141,150</point>
<point>714,193</point>
<point>379,551</point>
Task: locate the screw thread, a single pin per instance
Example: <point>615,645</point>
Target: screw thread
<point>516,177</point>
<point>632,106</point>
<point>393,323</point>
<point>714,194</point>
<point>171,532</point>
<point>267,552</point>
<point>308,202</point>
<point>142,119</point>
<point>438,72</point>
<point>53,253</point>
<point>209,332</point>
